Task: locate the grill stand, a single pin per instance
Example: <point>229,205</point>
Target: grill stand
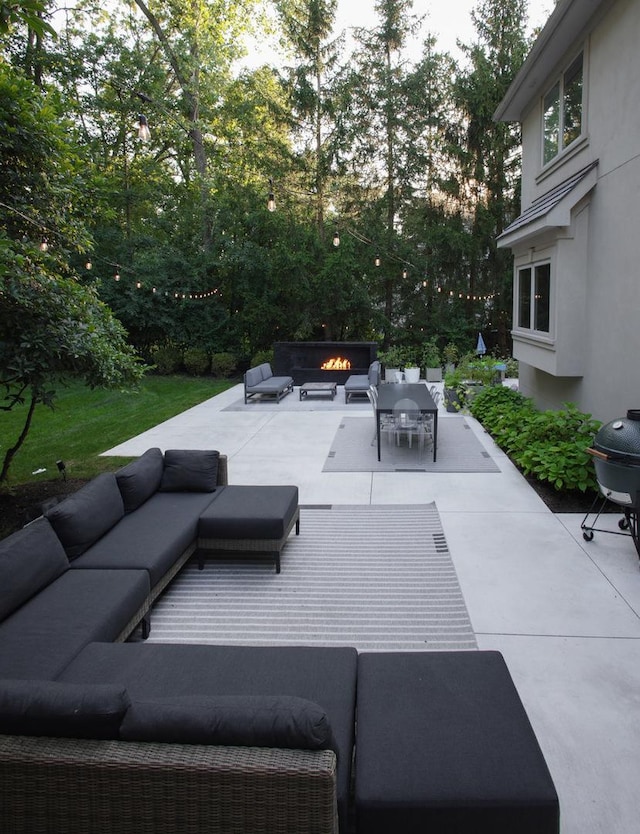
<point>628,524</point>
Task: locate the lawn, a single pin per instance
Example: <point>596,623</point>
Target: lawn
<point>85,423</point>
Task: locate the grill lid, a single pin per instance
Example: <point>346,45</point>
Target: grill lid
<point>620,439</point>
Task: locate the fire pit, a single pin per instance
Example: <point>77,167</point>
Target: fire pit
<point>323,361</point>
<point>616,457</point>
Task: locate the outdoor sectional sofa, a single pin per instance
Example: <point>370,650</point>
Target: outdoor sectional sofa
<point>102,735</point>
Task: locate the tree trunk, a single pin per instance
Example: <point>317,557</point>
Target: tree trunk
<point>11,453</point>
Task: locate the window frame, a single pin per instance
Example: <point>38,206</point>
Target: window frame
<point>558,90</point>
<point>526,305</point>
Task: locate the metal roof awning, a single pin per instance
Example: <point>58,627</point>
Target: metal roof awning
<point>552,209</point>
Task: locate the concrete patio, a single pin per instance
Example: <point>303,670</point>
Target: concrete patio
<point>565,613</point>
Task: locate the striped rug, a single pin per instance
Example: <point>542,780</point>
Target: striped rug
<point>374,577</point>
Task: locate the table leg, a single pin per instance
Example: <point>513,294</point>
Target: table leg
<point>435,435</point>
<point>378,430</point>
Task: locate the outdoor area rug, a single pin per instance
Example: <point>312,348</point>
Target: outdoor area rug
<point>354,449</point>
<point>379,578</point>
<point>292,402</point>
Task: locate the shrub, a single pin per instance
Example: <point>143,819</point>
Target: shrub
<point>196,361</point>
<point>550,445</point>
<point>260,357</point>
<point>167,359</point>
<point>223,364</point>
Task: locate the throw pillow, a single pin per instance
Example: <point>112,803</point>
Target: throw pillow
<point>64,710</point>
<point>29,559</point>
<point>242,720</point>
<point>189,470</point>
<point>88,514</point>
<point>140,479</point>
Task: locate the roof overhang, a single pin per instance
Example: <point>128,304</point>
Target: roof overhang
<point>569,20</point>
<point>552,210</point>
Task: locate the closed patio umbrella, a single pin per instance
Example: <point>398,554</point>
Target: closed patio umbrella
<point>481,348</point>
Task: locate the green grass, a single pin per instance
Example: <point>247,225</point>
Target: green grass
<point>85,423</point>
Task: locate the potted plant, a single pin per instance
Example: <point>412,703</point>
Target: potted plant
<point>454,390</point>
<point>432,361</point>
<point>450,354</point>
<point>393,361</point>
<point>412,363</point>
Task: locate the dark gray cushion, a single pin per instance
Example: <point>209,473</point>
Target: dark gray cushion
<point>245,511</point>
<point>244,720</point>
<point>326,676</point>
<point>29,559</point>
<point>140,479</point>
<point>265,370</point>
<point>153,537</point>
<point>65,710</point>
<point>39,639</point>
<point>189,470</point>
<point>85,516</point>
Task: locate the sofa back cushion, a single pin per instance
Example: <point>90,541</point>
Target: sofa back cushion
<point>63,710</point>
<point>88,514</point>
<point>29,560</point>
<point>235,720</point>
<point>265,370</point>
<point>189,470</point>
<point>374,373</point>
<point>253,377</point>
<point>140,479</point>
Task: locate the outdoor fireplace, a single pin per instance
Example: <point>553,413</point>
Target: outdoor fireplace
<point>323,361</point>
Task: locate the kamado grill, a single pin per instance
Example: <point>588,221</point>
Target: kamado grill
<point>616,457</point>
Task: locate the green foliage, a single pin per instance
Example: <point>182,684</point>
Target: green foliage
<point>223,364</point>
<point>85,423</point>
<point>260,357</point>
<point>196,361</point>
<point>167,359</point>
<point>431,357</point>
<point>550,445</point>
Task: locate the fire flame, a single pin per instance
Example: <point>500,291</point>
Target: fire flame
<point>336,363</point>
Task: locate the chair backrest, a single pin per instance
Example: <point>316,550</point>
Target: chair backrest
<point>374,373</point>
<point>406,407</point>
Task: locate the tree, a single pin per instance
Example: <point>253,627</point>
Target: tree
<point>490,152</point>
<point>52,326</point>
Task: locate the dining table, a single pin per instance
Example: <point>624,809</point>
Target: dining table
<point>390,393</point>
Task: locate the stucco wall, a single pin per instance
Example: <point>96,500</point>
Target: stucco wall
<point>610,383</point>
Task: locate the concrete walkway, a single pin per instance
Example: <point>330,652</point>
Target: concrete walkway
<point>564,613</point>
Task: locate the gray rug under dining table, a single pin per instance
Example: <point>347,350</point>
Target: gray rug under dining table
<point>354,450</point>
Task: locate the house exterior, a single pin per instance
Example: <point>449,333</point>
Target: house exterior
<point>576,244</point>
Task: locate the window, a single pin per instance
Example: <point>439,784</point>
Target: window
<point>533,293</point>
<point>562,111</point>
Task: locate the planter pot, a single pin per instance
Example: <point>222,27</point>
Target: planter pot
<point>452,400</point>
<point>412,374</point>
<point>434,374</point>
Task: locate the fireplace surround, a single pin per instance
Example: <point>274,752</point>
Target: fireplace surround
<point>304,360</point>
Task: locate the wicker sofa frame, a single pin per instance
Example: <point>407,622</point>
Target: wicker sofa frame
<point>57,785</point>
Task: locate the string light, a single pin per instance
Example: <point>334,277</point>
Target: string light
<point>271,202</point>
<point>144,134</point>
<point>336,238</point>
<point>88,266</point>
<point>377,260</point>
<point>44,244</point>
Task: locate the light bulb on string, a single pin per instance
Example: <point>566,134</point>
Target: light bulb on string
<point>116,277</point>
<point>88,266</point>
<point>44,244</point>
<point>336,238</point>
<point>144,134</point>
<point>271,202</point>
<point>377,260</point>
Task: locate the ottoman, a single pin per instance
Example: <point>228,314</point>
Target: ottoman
<point>250,520</point>
<point>444,744</point>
